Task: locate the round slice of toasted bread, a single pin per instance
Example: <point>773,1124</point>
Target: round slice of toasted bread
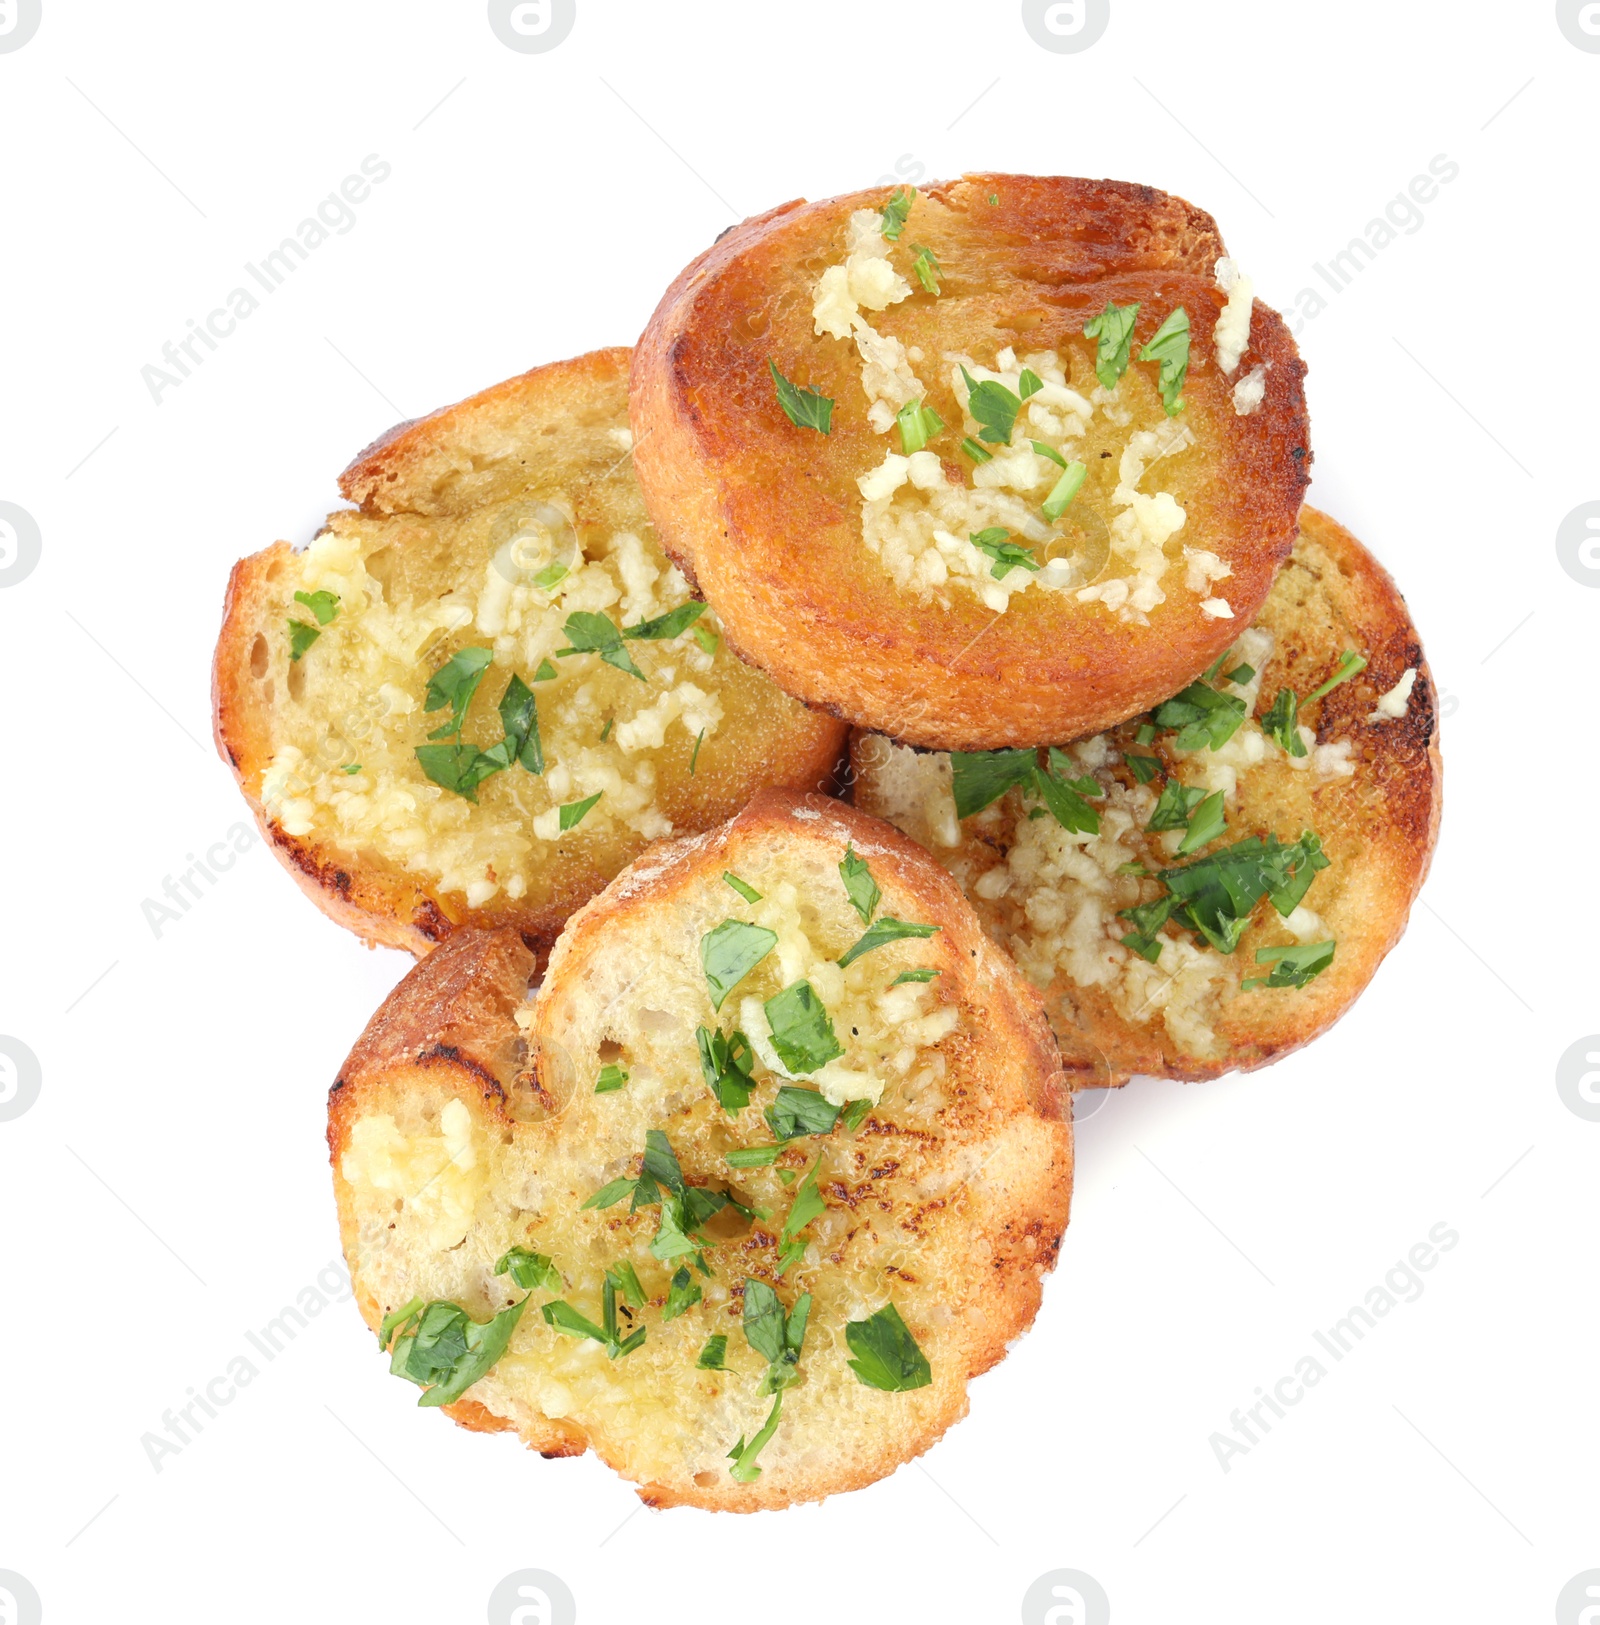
<point>1367,785</point>
<point>485,528</point>
<point>936,580</point>
<point>856,1236</point>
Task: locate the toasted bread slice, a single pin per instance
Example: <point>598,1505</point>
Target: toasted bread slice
<point>1368,785</point>
<point>460,517</point>
<point>472,1119</point>
<point>850,571</point>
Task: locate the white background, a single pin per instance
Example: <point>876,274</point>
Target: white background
<point>169,1190</point>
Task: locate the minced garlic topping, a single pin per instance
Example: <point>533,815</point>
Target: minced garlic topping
<point>919,512</point>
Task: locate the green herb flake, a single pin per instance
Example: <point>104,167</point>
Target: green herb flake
<point>1240,674</point>
<point>324,605</point>
<point>914,976</point>
<point>694,755</point>
<point>683,1292</point>
<point>1292,966</point>
<point>1147,920</point>
<point>859,885</point>
<point>574,812</point>
<point>887,930</point>
<point>624,1281</point>
<point>1006,554</point>
<point>1042,449</point>
<point>1170,346</point>
<point>896,211</point>
<point>671,625</point>
<point>453,685</point>
<point>1202,716</point>
<point>918,423</point>
<point>1113,327</point>
<point>729,952</point>
<point>925,267</point>
<point>532,1271</point>
<point>1206,823</point>
<point>886,1354</point>
<point>1143,768</point>
<point>1029,383</point>
<point>796,1113</point>
<point>444,1351</point>
<point>854,1115</point>
<point>589,632</point>
<point>976,452</point>
<point>610,1080</point>
<point>550,575</point>
<point>1349,664</point>
<point>753,1156</point>
<point>351,767</point>
<point>545,673</point>
<point>747,892</point>
<point>993,407</point>
<point>1172,810</point>
<point>725,1064</point>
<point>802,1034</point>
<point>805,407</point>
<point>714,1356</point>
<point>1064,490</point>
<point>302,634</point>
<point>1281,722</point>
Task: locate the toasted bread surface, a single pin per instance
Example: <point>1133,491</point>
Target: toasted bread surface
<point>467,1121</point>
<point>460,516</point>
<point>848,572</point>
<point>1369,785</point>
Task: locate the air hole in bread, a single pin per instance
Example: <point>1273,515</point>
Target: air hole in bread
<point>297,680</point>
<point>610,1051</point>
<point>258,656</point>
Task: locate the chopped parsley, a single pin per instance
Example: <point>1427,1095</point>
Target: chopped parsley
<point>886,1354</point>
<point>1206,823</point>
<point>324,605</point>
<point>671,625</point>
<point>624,1280</point>
<point>1007,555</point>
<point>302,634</point>
<point>802,1034</point>
<point>461,767</point>
<point>888,929</point>
<point>805,407</point>
<point>918,423</point>
<point>683,1292</point>
<point>777,1337</point>
<point>1282,722</point>
<point>798,1112</point>
<point>1216,894</point>
<point>545,673</point>
<point>1349,664</point>
<point>351,767</point>
<point>530,1270</point>
<point>806,1206</point>
<point>705,637</point>
<point>994,407</point>
<point>976,452</point>
<point>1044,449</point>
<point>564,1318</point>
<point>1173,809</point>
<point>753,1156</point>
<point>747,892</point>
<point>1292,966</point>
<point>605,732</point>
<point>589,632</point>
<point>714,1356</point>
<point>981,777</point>
<point>454,684</point>
<point>1064,490</point>
<point>1202,715</point>
<point>1240,674</point>
<point>914,976</point>
<point>1114,329</point>
<point>896,211</point>
<point>610,1080</point>
<point>1170,346</point>
<point>725,1064</point>
<point>729,952</point>
<point>1143,768</point>
<point>694,755</point>
<point>550,575</point>
<point>574,812</point>
<point>851,1118</point>
<point>925,267</point>
<point>442,1349</point>
<point>1029,383</point>
<point>859,885</point>
<point>1147,920</point>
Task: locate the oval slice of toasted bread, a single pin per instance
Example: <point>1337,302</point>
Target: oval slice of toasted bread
<point>961,597</point>
<point>583,1126</point>
<point>484,528</point>
<point>1368,785</point>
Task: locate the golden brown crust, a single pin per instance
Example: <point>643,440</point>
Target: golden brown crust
<point>1378,828</point>
<point>441,465</point>
<point>448,1029</point>
<point>766,518</point>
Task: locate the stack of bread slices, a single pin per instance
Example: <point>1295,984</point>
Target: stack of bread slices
<point>802,752</point>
